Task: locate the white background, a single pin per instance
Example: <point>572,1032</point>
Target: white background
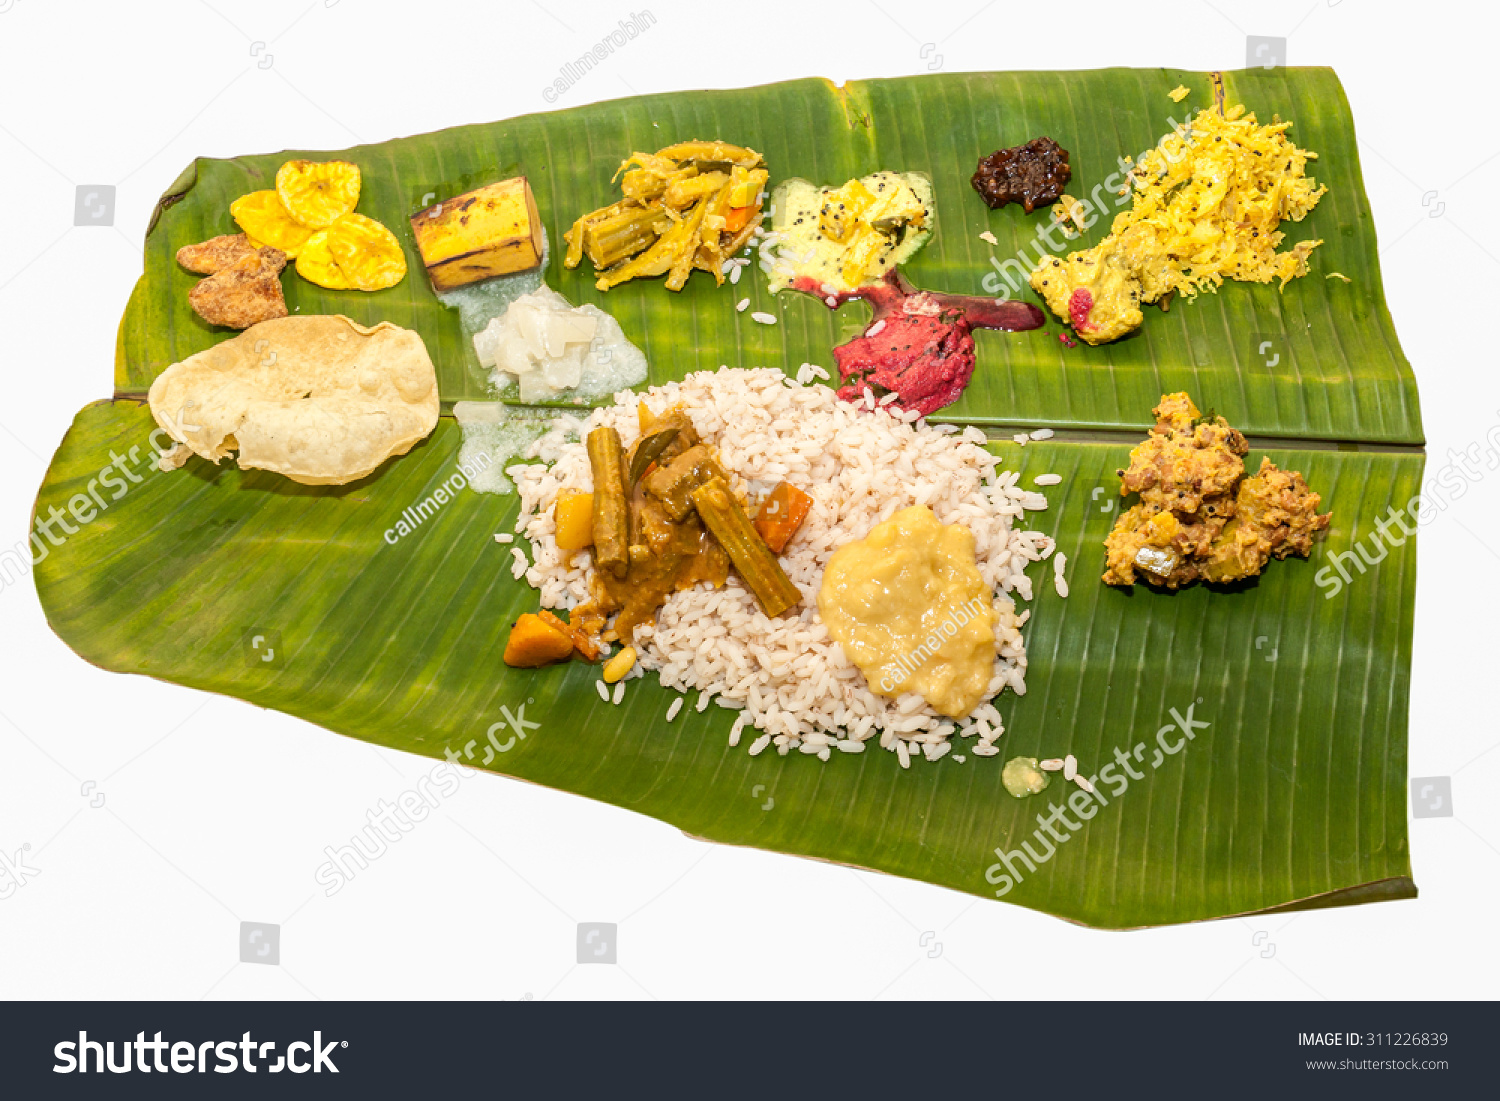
<point>217,812</point>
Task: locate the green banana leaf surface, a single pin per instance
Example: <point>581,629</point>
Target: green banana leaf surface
<point>1290,791</point>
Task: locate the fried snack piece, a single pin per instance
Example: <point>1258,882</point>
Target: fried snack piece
<point>320,399</point>
<point>1187,457</point>
<point>1162,546</point>
<point>1198,516</point>
<point>263,218</point>
<point>493,230</point>
<point>217,253</point>
<point>245,293</point>
<point>317,194</point>
<point>1276,515</point>
<point>316,264</point>
<point>367,253</point>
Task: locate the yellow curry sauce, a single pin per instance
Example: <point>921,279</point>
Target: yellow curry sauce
<point>908,607</point>
<point>843,238</point>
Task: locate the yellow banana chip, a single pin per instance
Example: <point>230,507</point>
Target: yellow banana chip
<point>266,222</point>
<point>368,254</point>
<point>317,265</point>
<point>317,194</point>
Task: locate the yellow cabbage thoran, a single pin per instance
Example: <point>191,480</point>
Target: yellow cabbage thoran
<point>1208,203</point>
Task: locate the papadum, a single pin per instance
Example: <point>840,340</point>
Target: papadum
<point>320,399</point>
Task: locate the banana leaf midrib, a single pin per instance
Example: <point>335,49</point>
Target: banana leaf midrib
<point>1002,433</point>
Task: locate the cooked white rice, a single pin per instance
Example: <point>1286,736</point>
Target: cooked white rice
<point>860,466</point>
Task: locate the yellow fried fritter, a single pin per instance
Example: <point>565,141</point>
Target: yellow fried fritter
<point>316,194</point>
<point>316,264</point>
<point>1276,515</point>
<point>367,252</point>
<point>1186,458</point>
<point>1198,516</point>
<point>263,218</point>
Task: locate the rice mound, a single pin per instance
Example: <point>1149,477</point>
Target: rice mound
<point>860,463</point>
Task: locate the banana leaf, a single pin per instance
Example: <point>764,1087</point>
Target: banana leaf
<point>1292,794</point>
<point>1332,370</point>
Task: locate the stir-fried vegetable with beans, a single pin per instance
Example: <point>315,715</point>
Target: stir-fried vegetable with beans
<point>690,205</point>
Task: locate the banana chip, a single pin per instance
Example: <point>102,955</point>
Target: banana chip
<point>368,254</point>
<point>316,264</point>
<point>318,194</point>
<point>266,222</point>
